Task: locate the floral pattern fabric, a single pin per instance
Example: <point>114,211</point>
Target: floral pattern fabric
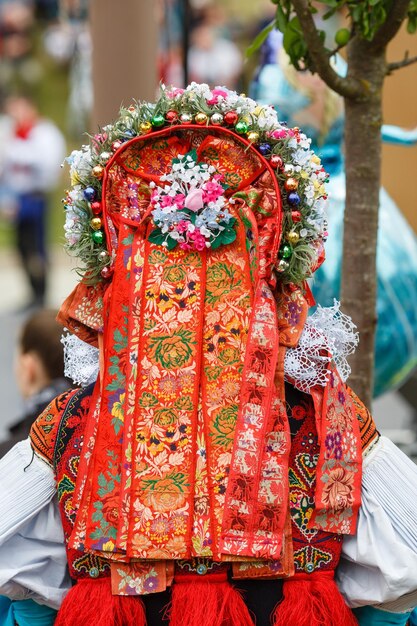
<point>188,441</point>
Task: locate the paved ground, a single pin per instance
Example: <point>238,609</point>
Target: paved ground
<point>392,412</point>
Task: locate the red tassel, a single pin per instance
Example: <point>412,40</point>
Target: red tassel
<point>91,602</point>
<point>209,599</point>
<point>313,600</point>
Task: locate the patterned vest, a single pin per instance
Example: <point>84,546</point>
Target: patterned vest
<point>57,436</point>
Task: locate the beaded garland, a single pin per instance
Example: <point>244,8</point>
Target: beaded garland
<point>297,168</point>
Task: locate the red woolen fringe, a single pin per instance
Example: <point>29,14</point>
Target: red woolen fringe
<point>92,602</point>
<point>204,602</point>
<point>313,600</point>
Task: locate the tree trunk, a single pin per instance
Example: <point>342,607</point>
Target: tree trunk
<point>125,40</point>
<point>363,171</point>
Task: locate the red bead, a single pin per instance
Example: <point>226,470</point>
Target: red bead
<point>276,161</point>
<point>116,145</point>
<point>171,116</point>
<point>231,117</point>
<point>296,216</point>
<point>107,271</point>
<point>96,208</point>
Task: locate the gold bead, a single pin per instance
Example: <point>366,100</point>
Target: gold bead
<point>98,171</point>
<point>145,128</point>
<point>291,184</point>
<point>292,237</point>
<point>95,223</point>
<point>258,110</point>
<point>253,136</point>
<point>201,119</point>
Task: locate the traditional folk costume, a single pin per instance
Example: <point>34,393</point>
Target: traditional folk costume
<point>215,466</point>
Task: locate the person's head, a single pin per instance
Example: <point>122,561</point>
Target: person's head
<point>40,357</point>
<point>22,109</point>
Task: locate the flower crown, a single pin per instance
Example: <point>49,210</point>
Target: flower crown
<point>298,170</point>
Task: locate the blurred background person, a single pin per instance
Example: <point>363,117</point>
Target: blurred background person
<point>213,59</point>
<point>39,371</point>
<point>30,159</point>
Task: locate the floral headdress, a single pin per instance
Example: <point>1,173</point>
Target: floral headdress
<point>298,170</point>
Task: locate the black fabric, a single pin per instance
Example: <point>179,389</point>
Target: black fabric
<point>261,597</point>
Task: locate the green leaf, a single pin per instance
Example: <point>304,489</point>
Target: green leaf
<point>127,240</point>
<point>102,480</point>
<point>172,243</point>
<point>412,25</point>
<point>259,39</point>
<point>156,237</point>
<point>228,235</point>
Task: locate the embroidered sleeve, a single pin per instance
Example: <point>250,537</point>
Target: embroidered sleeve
<point>369,433</point>
<point>44,429</point>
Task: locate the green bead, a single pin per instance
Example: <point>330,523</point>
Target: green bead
<point>158,120</point>
<point>97,236</point>
<point>285,252</point>
<point>241,128</point>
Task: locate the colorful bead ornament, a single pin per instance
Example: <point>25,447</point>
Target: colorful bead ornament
<point>171,117</point>
<point>145,128</point>
<point>285,251</point>
<point>97,236</point>
<point>201,119</point>
<point>158,120</point>
<point>231,117</point>
<point>241,127</point>
<point>98,171</point>
<point>276,161</point>
<point>95,223</point>
<point>292,237</point>
<point>293,198</point>
<point>96,208</point>
<point>297,169</point>
<point>253,136</point>
<point>89,193</point>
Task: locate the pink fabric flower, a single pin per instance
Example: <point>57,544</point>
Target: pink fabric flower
<point>182,226</point>
<point>216,94</point>
<point>167,201</point>
<point>175,92</point>
<point>212,191</point>
<point>198,240</point>
<point>194,200</point>
<point>179,200</point>
<point>279,134</point>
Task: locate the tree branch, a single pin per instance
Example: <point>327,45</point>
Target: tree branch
<point>391,67</point>
<point>392,24</point>
<point>342,85</point>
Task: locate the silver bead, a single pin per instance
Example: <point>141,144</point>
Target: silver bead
<point>186,118</point>
<point>105,156</point>
<point>103,256</point>
<point>282,265</point>
<point>216,119</point>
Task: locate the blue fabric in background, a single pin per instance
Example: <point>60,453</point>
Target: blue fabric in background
<point>370,616</point>
<point>25,613</point>
<point>396,333</point>
<point>413,618</point>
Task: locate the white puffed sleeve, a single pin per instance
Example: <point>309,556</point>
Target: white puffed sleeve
<point>379,564</point>
<point>32,552</point>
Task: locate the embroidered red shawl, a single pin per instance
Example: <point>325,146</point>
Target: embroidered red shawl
<point>187,443</point>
